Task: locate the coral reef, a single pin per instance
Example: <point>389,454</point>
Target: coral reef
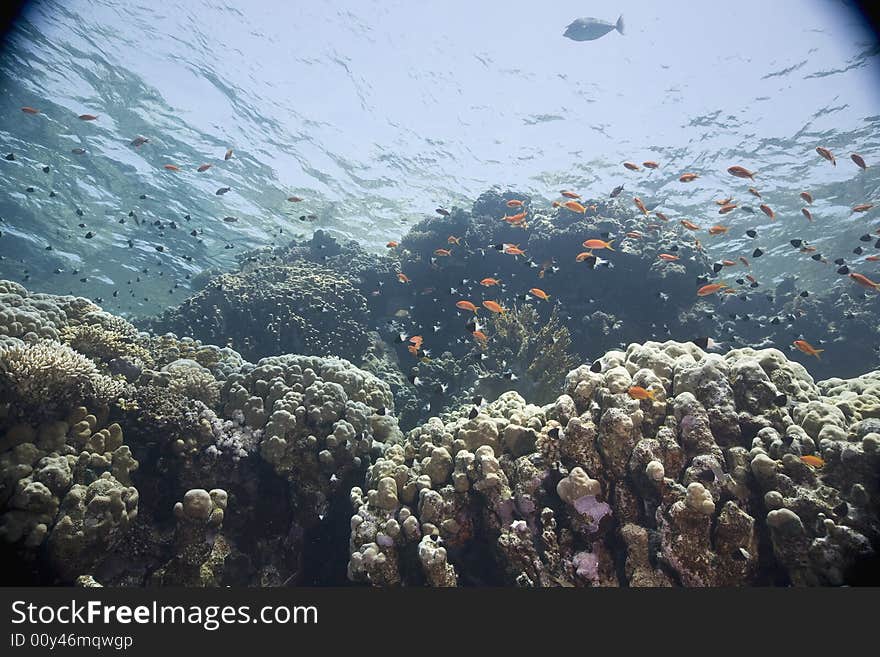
<point>275,309</point>
<point>707,483</point>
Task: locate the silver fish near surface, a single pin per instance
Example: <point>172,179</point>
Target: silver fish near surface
<point>590,29</point>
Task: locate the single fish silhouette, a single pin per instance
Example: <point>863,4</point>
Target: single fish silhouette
<point>590,29</point>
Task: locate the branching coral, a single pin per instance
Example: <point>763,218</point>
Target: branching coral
<point>46,375</point>
<point>536,352</point>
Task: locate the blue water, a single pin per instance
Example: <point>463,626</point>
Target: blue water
<point>376,112</point>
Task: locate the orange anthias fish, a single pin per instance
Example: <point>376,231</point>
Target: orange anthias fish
<point>859,160</point>
<point>574,206</point>
<point>728,263</point>
<point>873,258</point>
<point>766,209</point>
<point>755,192</point>
<point>862,207</point>
<point>489,282</point>
<point>442,252</point>
<point>688,177</point>
<point>403,278</point>
<point>634,235</point>
<point>480,336</point>
<point>718,229</point>
<point>88,117</point>
<point>740,172</point>
<point>467,305</point>
<point>724,201</point>
<point>598,244</point>
<point>538,292</point>
<point>661,216</point>
<point>668,257</point>
<point>513,249</point>
<point>515,218</point>
<point>711,288</point>
<point>392,245</point>
<point>228,154</point>
<point>864,281</point>
<point>30,110</point>
<point>689,225</point>
<point>514,203</point>
<point>727,207</point>
<point>745,261</point>
<point>638,392</point>
<point>452,239</point>
<point>494,307</point>
<point>172,167</point>
<point>568,194</point>
<point>807,213</point>
<point>751,278</point>
<point>650,164</point>
<point>828,155</point>
<point>813,461</point>
<point>204,168</point>
<point>583,256</point>
<point>640,205</point>
<point>808,349</point>
<point>631,166</point>
<point>807,197</point>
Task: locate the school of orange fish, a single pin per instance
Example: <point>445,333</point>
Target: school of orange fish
<point>572,203</point>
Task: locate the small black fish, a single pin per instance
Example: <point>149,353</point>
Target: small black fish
<point>865,238</point>
<point>78,151</point>
<point>414,379</point>
<point>816,256</point>
<point>193,233</point>
<point>130,244</point>
<point>473,413</point>
<point>796,243</point>
<point>10,157</point>
<point>741,554</point>
<point>702,280</point>
<point>477,400</point>
<point>858,250</point>
<point>142,197</point>
<point>29,190</point>
<point>843,270</point>
<point>49,248</point>
<point>717,267</point>
<point>221,191</point>
<point>554,433</point>
<point>616,191</point>
<point>442,212</point>
<point>757,253</point>
<point>79,212</point>
<point>510,376</point>
<point>804,294</point>
<point>781,399</point>
<point>702,343</point>
<point>52,195</point>
<point>230,220</point>
<point>839,261</point>
<point>775,321</point>
<point>380,410</point>
<point>751,232</point>
<point>160,248</point>
<point>89,235</point>
<point>596,367</point>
